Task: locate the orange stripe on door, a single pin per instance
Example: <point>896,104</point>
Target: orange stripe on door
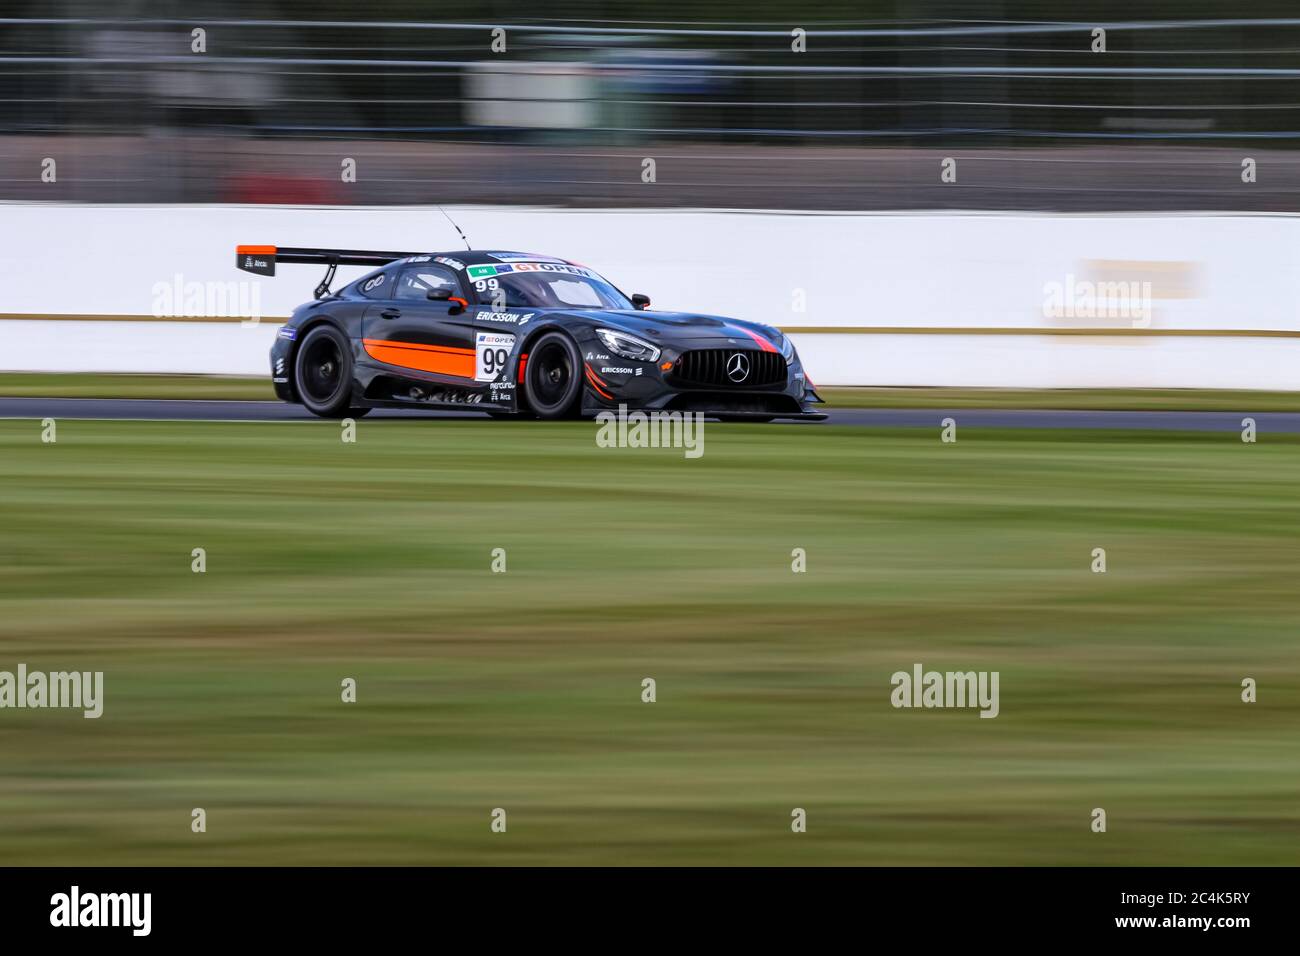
<point>441,360</point>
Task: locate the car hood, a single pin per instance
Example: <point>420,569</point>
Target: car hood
<point>683,327</point>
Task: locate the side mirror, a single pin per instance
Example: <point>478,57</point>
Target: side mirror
<point>458,305</point>
<point>640,301</point>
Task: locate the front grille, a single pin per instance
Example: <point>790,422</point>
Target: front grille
<point>710,368</point>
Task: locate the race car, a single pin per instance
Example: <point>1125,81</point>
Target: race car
<point>516,334</point>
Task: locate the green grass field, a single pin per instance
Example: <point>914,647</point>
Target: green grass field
<point>522,690</point>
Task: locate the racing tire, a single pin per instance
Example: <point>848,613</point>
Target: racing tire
<point>553,378</point>
<point>322,373</point>
<point>762,420</point>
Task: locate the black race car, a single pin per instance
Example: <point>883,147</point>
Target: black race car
<point>512,333</point>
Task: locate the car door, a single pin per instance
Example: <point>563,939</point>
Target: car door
<point>410,331</point>
<point>499,329</point>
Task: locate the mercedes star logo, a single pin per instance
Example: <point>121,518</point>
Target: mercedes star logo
<point>738,367</point>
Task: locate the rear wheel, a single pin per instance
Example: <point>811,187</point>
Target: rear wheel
<point>323,373</point>
<point>553,377</point>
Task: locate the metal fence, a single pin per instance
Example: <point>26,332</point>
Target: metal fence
<point>172,108</point>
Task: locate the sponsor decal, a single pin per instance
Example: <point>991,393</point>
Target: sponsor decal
<point>482,272</point>
<point>279,366</point>
<point>290,334</point>
<point>256,262</point>
<point>616,371</point>
<point>491,355</point>
<point>558,267</point>
<point>450,397</point>
<point>597,357</point>
<point>374,283</point>
<point>418,259</point>
<point>280,380</point>
<point>449,261</point>
<point>511,317</point>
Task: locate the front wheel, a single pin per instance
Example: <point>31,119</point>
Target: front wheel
<point>323,372</point>
<point>553,377</point>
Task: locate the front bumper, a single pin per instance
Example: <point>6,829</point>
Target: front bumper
<point>282,364</point>
<point>659,386</point>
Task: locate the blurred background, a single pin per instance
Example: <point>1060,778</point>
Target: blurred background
<point>565,111</point>
<point>370,560</point>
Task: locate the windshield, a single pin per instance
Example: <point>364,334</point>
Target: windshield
<point>544,285</point>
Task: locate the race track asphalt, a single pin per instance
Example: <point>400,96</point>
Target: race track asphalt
<point>242,411</point>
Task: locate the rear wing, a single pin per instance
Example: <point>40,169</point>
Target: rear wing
<point>261,260</point>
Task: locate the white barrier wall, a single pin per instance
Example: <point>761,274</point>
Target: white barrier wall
<point>938,299</point>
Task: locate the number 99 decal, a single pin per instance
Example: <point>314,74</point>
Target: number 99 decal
<point>491,355</point>
<point>487,285</point>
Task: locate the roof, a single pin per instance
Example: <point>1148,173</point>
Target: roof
<point>474,257</point>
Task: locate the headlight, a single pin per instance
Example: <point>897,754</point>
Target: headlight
<point>787,349</point>
<point>628,346</point>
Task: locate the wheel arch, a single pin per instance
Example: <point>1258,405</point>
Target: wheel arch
<point>573,328</point>
<point>529,340</point>
<point>302,332</point>
<point>570,330</point>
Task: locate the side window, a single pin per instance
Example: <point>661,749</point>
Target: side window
<point>378,286</point>
<point>490,289</point>
<point>417,281</point>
